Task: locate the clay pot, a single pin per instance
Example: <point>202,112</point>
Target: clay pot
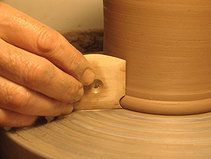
<point>167,46</point>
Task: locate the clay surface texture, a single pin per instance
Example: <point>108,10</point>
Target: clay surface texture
<point>166,44</point>
<point>113,134</point>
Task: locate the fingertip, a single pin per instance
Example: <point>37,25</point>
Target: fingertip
<point>68,110</point>
<point>80,94</point>
<point>29,120</point>
<point>88,77</point>
<point>74,96</point>
<point>12,119</point>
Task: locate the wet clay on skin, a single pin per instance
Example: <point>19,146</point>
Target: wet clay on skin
<point>166,44</point>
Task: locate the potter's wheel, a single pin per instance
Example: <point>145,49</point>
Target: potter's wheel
<point>115,133</point>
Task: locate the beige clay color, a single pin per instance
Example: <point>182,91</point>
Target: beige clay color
<point>111,133</point>
<point>166,44</point>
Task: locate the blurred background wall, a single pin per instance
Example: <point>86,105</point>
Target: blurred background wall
<point>80,21</point>
<point>64,15</point>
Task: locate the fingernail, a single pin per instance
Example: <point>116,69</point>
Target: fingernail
<point>68,110</point>
<point>88,77</point>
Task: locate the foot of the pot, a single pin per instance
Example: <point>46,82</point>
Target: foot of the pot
<point>166,107</point>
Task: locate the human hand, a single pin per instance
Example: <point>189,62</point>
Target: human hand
<point>41,74</point>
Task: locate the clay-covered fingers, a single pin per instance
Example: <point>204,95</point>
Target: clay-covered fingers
<point>21,100</point>
<point>29,34</point>
<point>38,74</point>
<point>12,119</point>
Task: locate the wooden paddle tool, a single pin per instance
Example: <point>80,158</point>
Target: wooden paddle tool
<point>109,85</point>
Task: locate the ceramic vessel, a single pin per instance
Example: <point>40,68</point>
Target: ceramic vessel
<point>166,44</point>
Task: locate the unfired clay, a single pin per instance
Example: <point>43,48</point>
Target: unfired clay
<point>166,44</point>
<point>113,134</point>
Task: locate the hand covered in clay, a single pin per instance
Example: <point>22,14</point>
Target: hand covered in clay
<point>41,74</point>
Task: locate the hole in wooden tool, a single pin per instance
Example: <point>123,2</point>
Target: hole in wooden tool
<point>96,86</point>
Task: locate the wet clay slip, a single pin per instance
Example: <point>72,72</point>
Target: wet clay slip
<point>167,46</point>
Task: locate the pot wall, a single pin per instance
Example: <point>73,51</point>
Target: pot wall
<point>167,47</point>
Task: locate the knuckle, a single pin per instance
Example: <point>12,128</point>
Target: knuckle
<point>22,100</point>
<point>40,74</point>
<point>47,40</point>
<point>76,60</point>
<point>15,62</point>
<point>78,64</point>
<point>8,95</point>
<point>17,98</point>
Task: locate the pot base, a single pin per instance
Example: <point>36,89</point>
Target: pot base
<point>166,107</point>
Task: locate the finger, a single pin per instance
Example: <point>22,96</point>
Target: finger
<point>21,100</point>
<point>12,119</point>
<point>25,32</point>
<point>38,74</point>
